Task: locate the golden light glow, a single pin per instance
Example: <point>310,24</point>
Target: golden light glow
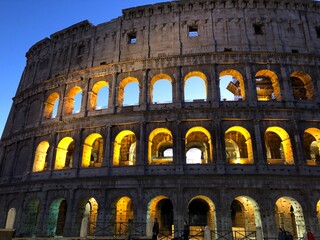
<point>40,157</point>
<point>69,99</point>
<point>152,207</point>
<point>289,215</point>
<point>307,81</point>
<point>61,153</point>
<point>89,150</point>
<point>93,95</point>
<point>204,140</point>
<point>238,76</point>
<point>275,85</point>
<point>285,142</point>
<point>157,138</point>
<point>124,212</point>
<point>49,105</point>
<point>244,152</point>
<point>91,211</point>
<point>122,146</point>
<point>122,85</point>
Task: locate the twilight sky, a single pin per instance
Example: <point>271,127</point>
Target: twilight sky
<point>25,22</point>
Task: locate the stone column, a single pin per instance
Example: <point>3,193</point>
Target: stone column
<point>178,84</point>
<point>78,148</point>
<point>142,146</point>
<point>107,156</point>
<point>220,146</point>
<point>71,229</point>
<point>144,91</point>
<point>250,87</point>
<point>299,155</point>
<point>286,89</point>
<point>269,226</point>
<point>258,145</point>
<point>113,97</point>
<point>43,215</point>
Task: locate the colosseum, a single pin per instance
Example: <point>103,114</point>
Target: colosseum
<point>205,111</point>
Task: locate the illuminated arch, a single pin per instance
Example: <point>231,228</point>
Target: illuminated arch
<point>289,215</point>
<point>318,211</point>
<point>11,218</point>
<point>156,78</point>
<point>246,215</point>
<point>50,105</point>
<point>238,146</point>
<point>200,138</point>
<point>236,86</point>
<point>161,207</point>
<point>202,77</point>
<point>94,94</point>
<point>69,100</point>
<point>201,211</point>
<point>124,149</point>
<point>56,217</point>
<point>311,142</point>
<point>267,86</point>
<point>40,162</point>
<point>90,207</point>
<point>123,212</point>
<point>302,86</point>
<point>64,153</point>
<point>122,86</point>
<point>92,151</point>
<point>160,139</point>
<point>278,146</point>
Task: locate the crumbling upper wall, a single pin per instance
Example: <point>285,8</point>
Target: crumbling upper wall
<point>163,29</point>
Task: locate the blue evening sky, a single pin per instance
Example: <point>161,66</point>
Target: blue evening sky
<point>25,22</point>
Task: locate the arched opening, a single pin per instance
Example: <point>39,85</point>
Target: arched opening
<point>231,86</point>
<point>201,213</point>
<point>56,217</point>
<point>64,154</point>
<point>11,218</point>
<point>99,96</point>
<point>73,100</point>
<point>267,86</point>
<point>123,212</point>
<point>128,92</point>
<point>161,89</point>
<point>124,153</point>
<point>51,106</point>
<point>90,211</point>
<point>302,86</point>
<point>278,146</point>
<point>245,216</point>
<point>198,142</point>
<point>238,145</point>
<point>160,141</point>
<point>195,87</point>
<point>289,216</point>
<point>40,158</point>
<point>30,219</point>
<point>161,208</point>
<point>311,143</point>
<point>92,151</point>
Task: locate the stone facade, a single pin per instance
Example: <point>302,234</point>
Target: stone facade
<point>259,158</point>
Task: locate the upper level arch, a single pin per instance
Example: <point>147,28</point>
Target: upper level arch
<point>124,95</point>
<point>99,95</point>
<point>51,106</point>
<point>195,86</point>
<point>267,85</point>
<point>234,86</point>
<point>161,89</point>
<point>73,100</point>
<point>40,158</point>
<point>160,140</point>
<point>124,152</point>
<point>198,138</point>
<point>64,153</point>
<point>311,143</point>
<point>238,144</point>
<point>92,151</point>
<point>302,86</point>
<point>278,146</point>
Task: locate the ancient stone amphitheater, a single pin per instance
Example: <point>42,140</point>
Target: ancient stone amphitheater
<point>203,110</point>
